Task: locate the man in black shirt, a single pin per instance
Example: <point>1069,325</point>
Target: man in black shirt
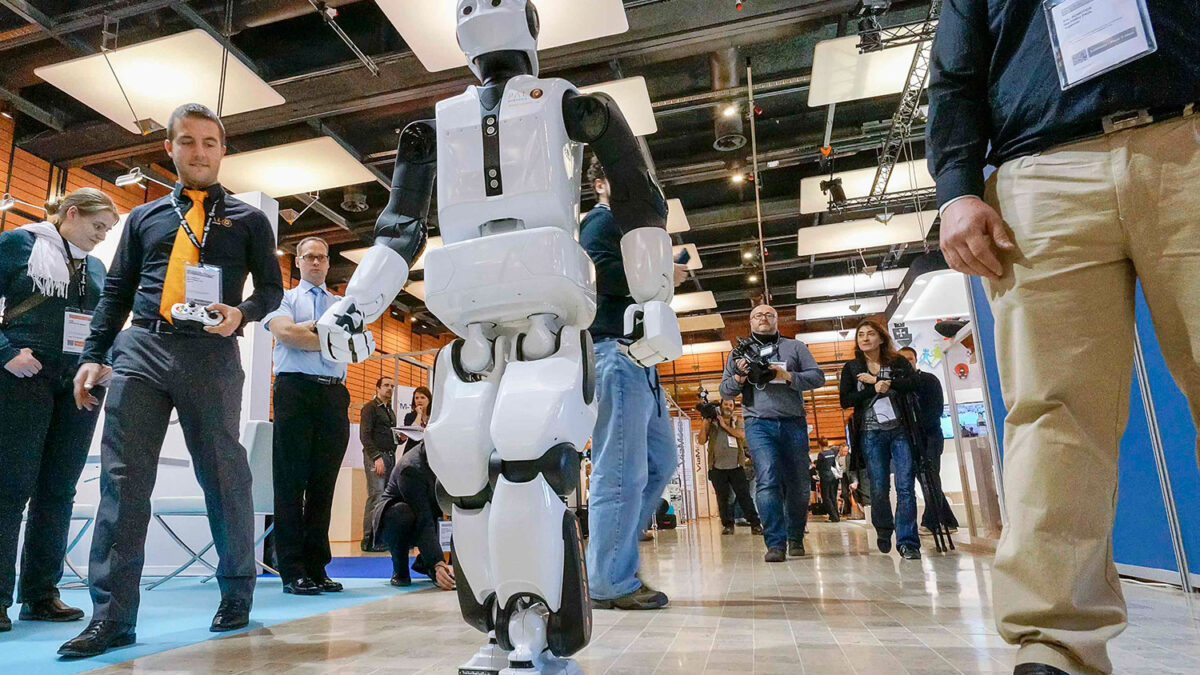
<point>375,423</point>
<point>160,365</point>
<point>1097,186</point>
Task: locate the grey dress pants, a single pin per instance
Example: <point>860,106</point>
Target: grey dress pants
<point>200,377</point>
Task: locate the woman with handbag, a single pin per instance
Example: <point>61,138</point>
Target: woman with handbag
<point>48,287</point>
<point>875,384</point>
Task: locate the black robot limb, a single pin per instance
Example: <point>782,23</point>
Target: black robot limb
<point>401,226</point>
<point>636,199</point>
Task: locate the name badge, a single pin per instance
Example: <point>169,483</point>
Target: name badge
<point>1092,37</point>
<point>202,284</point>
<point>731,441</point>
<point>76,328</point>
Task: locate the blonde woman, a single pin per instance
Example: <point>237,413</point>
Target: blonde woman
<point>48,285</point>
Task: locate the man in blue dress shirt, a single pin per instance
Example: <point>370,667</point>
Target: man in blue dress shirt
<point>311,427</point>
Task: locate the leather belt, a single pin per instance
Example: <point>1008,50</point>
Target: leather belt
<point>166,328</point>
<point>327,380</point>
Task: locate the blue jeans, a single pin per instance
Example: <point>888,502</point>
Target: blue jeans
<point>633,459</point>
<point>889,449</point>
<point>779,448</point>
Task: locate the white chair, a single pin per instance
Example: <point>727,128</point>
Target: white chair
<point>256,438</point>
<point>82,512</point>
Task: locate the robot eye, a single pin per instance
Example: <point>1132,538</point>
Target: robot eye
<point>467,10</point>
<point>495,3</point>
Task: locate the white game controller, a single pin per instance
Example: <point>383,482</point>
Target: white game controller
<point>194,315</point>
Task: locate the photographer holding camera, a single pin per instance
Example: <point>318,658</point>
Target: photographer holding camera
<point>770,372</point>
<point>726,441</point>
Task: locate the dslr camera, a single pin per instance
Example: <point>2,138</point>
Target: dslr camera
<point>758,359</point>
<point>709,410</point>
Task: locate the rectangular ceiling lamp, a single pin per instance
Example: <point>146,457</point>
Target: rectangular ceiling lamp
<point>158,76</point>
<point>676,218</point>
<point>694,262</point>
<point>428,26</point>
<point>853,235</point>
<point>633,98</point>
<point>693,302</point>
<point>857,183</point>
<point>707,348</point>
<point>937,295</point>
<point>833,310</point>
<point>847,284</point>
<point>823,337</point>
<point>293,168</point>
<point>840,73</point>
<point>690,324</point>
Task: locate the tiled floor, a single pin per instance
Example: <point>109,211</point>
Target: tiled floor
<point>843,609</point>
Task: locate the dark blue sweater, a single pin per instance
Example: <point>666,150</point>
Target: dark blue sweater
<point>600,236</point>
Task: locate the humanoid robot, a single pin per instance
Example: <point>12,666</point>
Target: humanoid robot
<point>513,397</point>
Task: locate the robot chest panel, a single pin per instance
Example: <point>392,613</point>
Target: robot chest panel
<point>513,162</point>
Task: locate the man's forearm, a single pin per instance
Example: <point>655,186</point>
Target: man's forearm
<point>298,336</point>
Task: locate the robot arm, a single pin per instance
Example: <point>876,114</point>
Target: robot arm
<point>399,239</point>
<point>640,210</point>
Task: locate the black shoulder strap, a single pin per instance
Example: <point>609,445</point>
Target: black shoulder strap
<point>22,308</point>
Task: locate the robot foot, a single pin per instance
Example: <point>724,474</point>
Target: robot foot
<point>545,664</point>
<point>489,660</point>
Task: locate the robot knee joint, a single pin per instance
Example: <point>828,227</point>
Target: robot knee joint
<point>559,464</point>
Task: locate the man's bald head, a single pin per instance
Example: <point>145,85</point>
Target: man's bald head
<point>764,320</point>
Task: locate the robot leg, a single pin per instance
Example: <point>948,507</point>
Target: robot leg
<point>460,450</point>
<point>544,413</point>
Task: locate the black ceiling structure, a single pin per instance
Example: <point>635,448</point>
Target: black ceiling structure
<point>692,53</point>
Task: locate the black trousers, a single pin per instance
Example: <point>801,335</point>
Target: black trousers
<point>733,480</point>
<point>201,378</point>
<point>929,517</point>
<point>310,434</point>
<point>400,530</point>
<point>829,492</point>
<point>44,442</point>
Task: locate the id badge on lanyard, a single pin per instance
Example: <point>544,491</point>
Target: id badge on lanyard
<point>1092,37</point>
<point>202,283</point>
<point>76,328</point>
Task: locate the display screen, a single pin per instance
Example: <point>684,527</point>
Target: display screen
<point>971,416</point>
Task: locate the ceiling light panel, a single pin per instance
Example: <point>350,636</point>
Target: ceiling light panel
<point>847,284</point>
<point>823,337</point>
<point>633,98</point>
<point>694,262</point>
<point>428,26</point>
<point>866,233</point>
<point>707,347</point>
<point>832,310</point>
<point>944,296</point>
<point>294,168</point>
<point>676,217</point>
<point>857,183</point>
<point>158,76</point>
<point>689,324</point>
<point>693,302</point>
<point>840,73</point>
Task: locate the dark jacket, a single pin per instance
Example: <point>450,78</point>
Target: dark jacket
<point>413,482</point>
<point>600,236</point>
<point>375,423</point>
<point>904,385</point>
<point>931,402</point>
<point>41,328</point>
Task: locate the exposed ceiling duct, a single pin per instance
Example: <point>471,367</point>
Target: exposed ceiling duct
<point>727,117</point>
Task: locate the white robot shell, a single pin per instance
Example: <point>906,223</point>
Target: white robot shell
<point>486,26</point>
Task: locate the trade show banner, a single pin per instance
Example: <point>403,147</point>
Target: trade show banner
<point>681,490</point>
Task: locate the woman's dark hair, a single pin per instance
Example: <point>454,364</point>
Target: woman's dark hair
<point>887,352</point>
<point>423,390</point>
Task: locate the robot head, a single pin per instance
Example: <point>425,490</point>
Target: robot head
<point>486,26</point>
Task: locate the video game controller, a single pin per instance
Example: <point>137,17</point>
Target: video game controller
<point>194,315</point>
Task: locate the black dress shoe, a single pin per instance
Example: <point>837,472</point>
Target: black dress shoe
<point>884,544</point>
<point>366,545</point>
<point>97,638</point>
<point>301,586</point>
<point>775,555</point>
<point>400,582</point>
<point>50,609</point>
<point>1037,669</point>
<point>796,548</point>
<point>327,585</point>
<point>728,529</point>
<point>231,615</point>
<point>910,553</point>
<point>5,622</point>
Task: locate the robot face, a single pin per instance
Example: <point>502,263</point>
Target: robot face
<point>486,26</point>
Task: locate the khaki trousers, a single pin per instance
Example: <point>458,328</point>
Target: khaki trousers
<point>1088,219</point>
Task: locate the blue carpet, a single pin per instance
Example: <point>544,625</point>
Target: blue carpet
<point>173,615</point>
<point>365,567</point>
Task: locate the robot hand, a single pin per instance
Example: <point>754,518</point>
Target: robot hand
<point>655,333</point>
<point>343,333</point>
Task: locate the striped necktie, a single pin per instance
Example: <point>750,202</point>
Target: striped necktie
<point>183,252</point>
